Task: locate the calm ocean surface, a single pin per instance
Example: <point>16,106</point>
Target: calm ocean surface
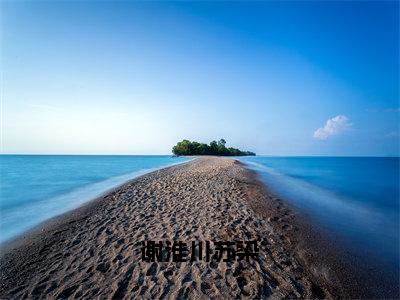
<point>356,198</point>
<point>34,188</point>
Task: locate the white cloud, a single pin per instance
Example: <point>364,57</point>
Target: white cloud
<point>333,126</point>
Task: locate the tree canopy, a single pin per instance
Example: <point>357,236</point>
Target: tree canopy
<point>186,147</point>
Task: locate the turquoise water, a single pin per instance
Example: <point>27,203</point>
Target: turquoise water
<point>34,188</point>
<point>356,199</point>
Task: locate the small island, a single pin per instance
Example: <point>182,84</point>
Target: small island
<point>186,147</point>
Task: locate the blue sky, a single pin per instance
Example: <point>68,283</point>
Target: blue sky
<point>277,78</point>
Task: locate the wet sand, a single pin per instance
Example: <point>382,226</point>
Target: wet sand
<point>95,250</point>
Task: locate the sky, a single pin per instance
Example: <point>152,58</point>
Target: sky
<point>276,78</point>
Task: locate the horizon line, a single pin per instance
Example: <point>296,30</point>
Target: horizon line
<point>263,155</point>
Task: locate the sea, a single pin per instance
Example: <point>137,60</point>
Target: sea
<point>353,200</point>
<point>34,188</point>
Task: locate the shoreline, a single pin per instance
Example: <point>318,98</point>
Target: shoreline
<point>5,244</point>
<point>288,268</point>
<point>356,273</point>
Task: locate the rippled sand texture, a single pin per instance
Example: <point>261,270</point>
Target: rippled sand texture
<point>95,250</point>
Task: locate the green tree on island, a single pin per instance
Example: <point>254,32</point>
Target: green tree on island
<point>186,147</point>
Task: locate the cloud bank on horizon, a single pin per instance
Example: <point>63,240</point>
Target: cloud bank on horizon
<point>333,126</point>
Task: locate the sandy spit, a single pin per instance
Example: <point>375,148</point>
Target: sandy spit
<point>95,251</point>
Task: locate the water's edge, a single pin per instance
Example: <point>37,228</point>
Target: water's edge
<point>15,240</point>
<point>331,258</point>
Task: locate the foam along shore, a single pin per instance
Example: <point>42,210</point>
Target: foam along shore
<point>95,250</point>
